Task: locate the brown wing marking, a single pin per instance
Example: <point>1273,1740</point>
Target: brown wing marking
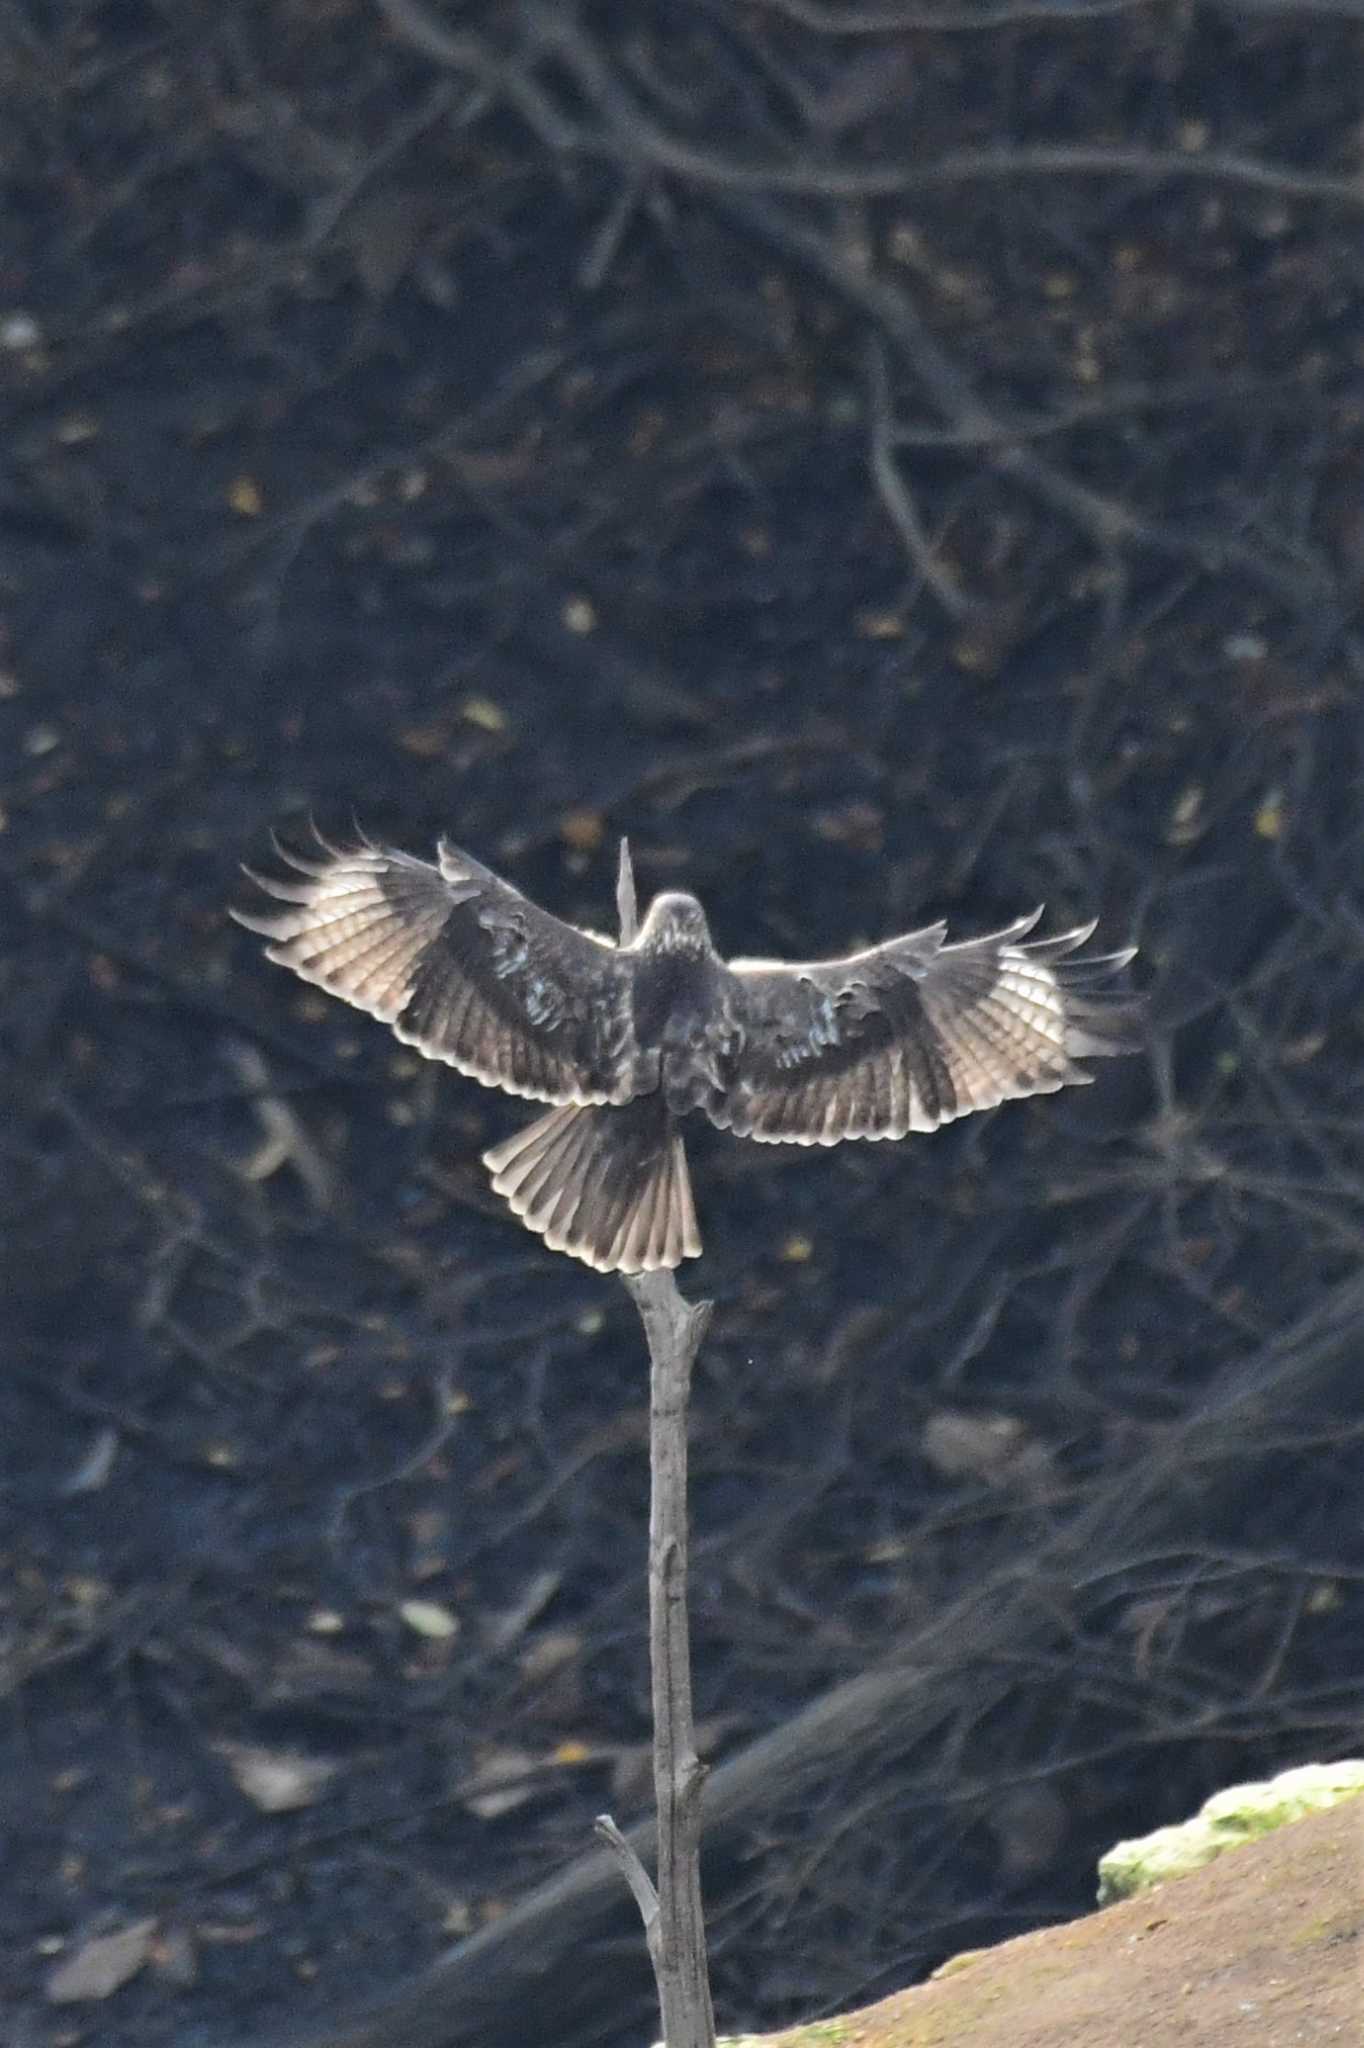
<point>460,965</point>
<point>910,1035</point>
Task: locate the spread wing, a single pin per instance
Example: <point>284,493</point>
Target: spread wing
<point>909,1035</point>
<point>461,965</point>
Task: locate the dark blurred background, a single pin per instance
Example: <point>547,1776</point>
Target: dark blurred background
<point>891,460</point>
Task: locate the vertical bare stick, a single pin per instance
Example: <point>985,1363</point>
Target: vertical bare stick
<point>627,904</point>
<point>673,1329</point>
<point>673,1922</point>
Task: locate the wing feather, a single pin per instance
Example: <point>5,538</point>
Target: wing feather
<point>912,1034</point>
<point>461,965</point>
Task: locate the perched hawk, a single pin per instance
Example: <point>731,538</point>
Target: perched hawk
<point>625,1040</point>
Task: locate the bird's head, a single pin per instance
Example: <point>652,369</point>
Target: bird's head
<point>675,923</point>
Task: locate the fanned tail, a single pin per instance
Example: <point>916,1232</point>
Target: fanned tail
<point>608,1186</point>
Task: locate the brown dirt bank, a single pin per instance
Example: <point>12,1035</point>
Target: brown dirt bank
<point>1260,1947</point>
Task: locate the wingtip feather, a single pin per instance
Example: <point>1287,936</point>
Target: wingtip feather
<point>263,927</point>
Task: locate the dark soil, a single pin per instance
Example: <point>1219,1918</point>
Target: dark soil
<point>890,464</point>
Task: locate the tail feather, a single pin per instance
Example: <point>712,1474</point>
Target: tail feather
<point>607,1185</point>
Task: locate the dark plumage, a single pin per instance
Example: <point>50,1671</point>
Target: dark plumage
<point>626,1040</point>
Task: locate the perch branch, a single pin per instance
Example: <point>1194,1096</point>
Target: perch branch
<point>673,1924</point>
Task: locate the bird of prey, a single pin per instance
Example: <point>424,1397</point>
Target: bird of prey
<point>625,1040</point>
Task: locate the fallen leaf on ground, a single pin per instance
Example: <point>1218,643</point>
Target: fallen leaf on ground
<point>428,1618</point>
<point>101,1965</point>
<point>504,1780</point>
<point>277,1780</point>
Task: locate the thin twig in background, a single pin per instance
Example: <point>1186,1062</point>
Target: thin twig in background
<point>895,492</point>
<point>673,1924</point>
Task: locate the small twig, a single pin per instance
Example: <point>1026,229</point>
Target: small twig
<point>896,495</point>
<point>639,1881</point>
<point>897,20</point>
<point>284,1140</point>
<point>469,53</point>
<point>632,137</point>
<point>673,1923</point>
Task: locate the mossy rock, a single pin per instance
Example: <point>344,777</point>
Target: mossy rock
<point>1224,1822</point>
